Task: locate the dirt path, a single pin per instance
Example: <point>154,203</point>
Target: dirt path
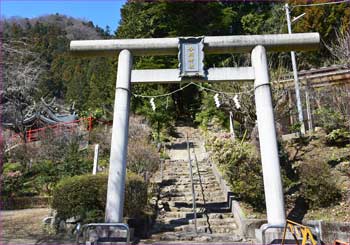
<point>26,227</point>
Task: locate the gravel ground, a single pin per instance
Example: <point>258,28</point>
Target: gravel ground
<point>26,227</point>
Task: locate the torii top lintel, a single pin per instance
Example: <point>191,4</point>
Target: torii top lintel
<point>212,44</point>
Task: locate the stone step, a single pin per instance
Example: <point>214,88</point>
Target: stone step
<point>204,229</point>
<point>187,207</point>
<point>183,209</point>
<point>199,199</point>
<point>197,186</point>
<point>186,193</point>
<point>187,202</point>
<point>205,183</point>
<point>185,172</point>
<point>188,213</point>
<point>180,215</point>
<point>207,180</point>
<point>201,221</point>
<point>214,222</point>
<point>176,163</point>
<point>184,178</point>
<point>184,169</point>
<point>192,238</point>
<point>220,215</point>
<point>198,191</point>
<point>221,237</point>
<point>174,186</point>
<point>175,173</point>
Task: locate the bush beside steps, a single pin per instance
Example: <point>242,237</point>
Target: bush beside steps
<point>84,197</point>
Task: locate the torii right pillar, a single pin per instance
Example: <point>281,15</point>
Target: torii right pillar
<point>268,140</point>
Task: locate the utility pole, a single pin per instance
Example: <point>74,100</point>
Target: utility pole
<point>295,74</point>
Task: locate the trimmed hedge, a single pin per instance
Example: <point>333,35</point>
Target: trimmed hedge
<point>85,197</point>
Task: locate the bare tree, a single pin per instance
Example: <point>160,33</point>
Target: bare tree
<point>22,70</point>
<point>341,48</point>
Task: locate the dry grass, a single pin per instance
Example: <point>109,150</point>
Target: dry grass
<point>338,159</point>
<point>317,151</point>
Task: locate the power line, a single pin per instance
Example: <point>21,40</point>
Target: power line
<point>195,84</point>
<point>320,4</point>
<point>221,92</point>
<point>163,95</point>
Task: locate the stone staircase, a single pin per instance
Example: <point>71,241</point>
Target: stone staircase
<point>175,221</point>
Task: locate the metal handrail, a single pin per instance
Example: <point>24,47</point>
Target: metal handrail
<point>192,185</point>
<point>202,190</point>
<point>81,231</point>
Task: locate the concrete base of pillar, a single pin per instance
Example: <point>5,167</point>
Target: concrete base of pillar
<point>109,234</point>
<point>273,236</point>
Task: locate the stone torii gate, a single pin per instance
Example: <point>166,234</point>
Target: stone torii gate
<point>258,72</point>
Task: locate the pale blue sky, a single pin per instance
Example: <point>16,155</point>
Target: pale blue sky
<point>100,12</point>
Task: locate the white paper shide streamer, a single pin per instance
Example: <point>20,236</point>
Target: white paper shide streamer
<point>153,105</point>
<point>236,101</point>
<point>217,101</point>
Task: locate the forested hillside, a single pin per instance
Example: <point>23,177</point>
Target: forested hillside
<point>90,82</point>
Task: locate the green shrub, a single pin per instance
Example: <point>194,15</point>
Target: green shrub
<point>295,127</point>
<point>338,137</point>
<point>330,119</point>
<point>12,167</point>
<point>318,186</point>
<point>335,159</point>
<point>85,197</point>
<point>209,117</point>
<point>241,167</point>
<point>11,182</point>
<point>43,176</point>
<point>135,201</point>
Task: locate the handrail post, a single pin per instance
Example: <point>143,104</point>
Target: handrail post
<point>192,185</point>
<point>161,169</point>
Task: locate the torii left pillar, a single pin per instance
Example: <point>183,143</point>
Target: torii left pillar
<point>119,145</point>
